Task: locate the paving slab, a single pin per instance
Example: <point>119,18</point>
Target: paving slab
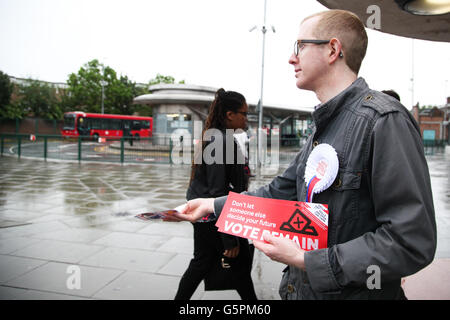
<point>54,277</point>
<point>53,215</point>
<point>221,295</point>
<point>31,229</point>
<point>176,266</point>
<point>128,259</point>
<point>53,250</point>
<point>11,267</point>
<point>131,241</point>
<point>11,293</point>
<point>82,235</point>
<point>140,286</point>
<point>169,229</point>
<point>177,245</point>
<point>10,245</point>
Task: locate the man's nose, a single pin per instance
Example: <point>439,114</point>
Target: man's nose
<point>293,59</point>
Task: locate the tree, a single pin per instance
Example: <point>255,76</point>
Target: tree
<point>424,107</point>
<point>86,90</point>
<point>6,89</point>
<point>38,99</point>
<point>163,79</point>
<point>8,110</point>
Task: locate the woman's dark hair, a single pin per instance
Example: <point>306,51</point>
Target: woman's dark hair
<point>223,102</point>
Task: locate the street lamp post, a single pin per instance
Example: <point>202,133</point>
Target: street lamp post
<point>260,118</point>
<point>103,83</point>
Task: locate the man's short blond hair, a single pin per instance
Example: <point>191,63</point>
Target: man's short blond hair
<point>348,28</point>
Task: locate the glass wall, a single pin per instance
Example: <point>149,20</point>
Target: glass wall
<point>169,122</point>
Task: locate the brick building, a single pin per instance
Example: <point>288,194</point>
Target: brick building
<point>434,123</point>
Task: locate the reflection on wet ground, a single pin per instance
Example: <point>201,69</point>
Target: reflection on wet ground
<point>439,167</point>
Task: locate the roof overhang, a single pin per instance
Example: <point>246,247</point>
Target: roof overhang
<point>396,21</point>
<point>172,98</point>
<point>190,99</point>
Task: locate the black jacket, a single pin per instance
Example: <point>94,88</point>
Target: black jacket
<point>381,212</point>
<point>225,174</point>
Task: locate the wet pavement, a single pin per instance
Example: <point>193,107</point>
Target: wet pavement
<point>61,222</point>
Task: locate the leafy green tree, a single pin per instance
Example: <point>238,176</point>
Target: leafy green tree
<point>11,111</point>
<point>6,89</point>
<point>85,88</point>
<point>38,99</point>
<point>8,109</point>
<point>163,79</point>
<point>424,107</point>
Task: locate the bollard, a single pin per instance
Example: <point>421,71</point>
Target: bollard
<point>45,148</point>
<point>19,143</point>
<point>170,151</point>
<point>122,149</point>
<point>79,148</point>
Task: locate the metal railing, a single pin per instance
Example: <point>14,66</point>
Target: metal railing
<point>119,150</point>
<point>132,150</point>
<point>434,146</point>
<point>85,148</point>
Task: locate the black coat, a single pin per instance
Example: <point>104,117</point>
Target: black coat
<point>219,178</point>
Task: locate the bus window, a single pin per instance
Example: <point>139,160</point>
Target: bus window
<point>69,122</point>
<point>95,123</point>
<point>145,124</point>
<point>115,124</point>
<point>106,124</point>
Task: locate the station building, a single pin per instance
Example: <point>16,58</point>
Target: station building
<point>177,106</point>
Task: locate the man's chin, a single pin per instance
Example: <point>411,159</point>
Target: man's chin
<point>303,85</point>
<point>300,84</point>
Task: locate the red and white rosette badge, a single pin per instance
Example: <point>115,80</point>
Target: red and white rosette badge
<point>321,169</point>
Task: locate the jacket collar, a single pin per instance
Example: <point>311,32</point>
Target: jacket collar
<point>324,112</point>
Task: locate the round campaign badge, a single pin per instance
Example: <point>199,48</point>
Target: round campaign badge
<point>321,169</point>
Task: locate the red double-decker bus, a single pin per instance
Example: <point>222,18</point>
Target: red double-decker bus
<point>97,125</point>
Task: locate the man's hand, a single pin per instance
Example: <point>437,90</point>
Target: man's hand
<point>196,209</point>
<point>282,250</point>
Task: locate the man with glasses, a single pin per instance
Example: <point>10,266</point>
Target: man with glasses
<point>381,216</point>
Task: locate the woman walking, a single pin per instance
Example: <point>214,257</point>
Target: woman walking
<point>228,111</point>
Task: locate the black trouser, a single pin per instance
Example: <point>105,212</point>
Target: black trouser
<point>208,249</point>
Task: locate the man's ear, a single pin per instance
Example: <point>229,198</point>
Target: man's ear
<point>336,50</point>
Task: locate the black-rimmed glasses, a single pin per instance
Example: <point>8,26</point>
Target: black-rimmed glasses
<point>245,114</point>
<point>299,44</point>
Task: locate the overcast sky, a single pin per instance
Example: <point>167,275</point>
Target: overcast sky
<point>204,42</point>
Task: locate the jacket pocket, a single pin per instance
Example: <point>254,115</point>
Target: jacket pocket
<point>344,200</point>
<point>347,181</point>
